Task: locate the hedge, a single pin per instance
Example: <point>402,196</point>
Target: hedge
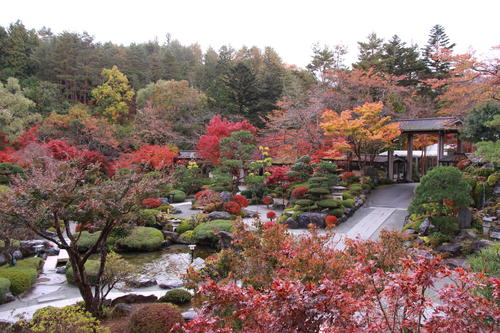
<point>184,226</point>
<point>4,288</point>
<point>329,203</point>
<point>21,279</point>
<point>304,202</point>
<point>319,190</point>
<point>141,239</point>
<point>176,296</point>
<point>338,212</point>
<point>348,203</point>
<point>206,231</point>
<point>91,269</point>
<point>177,195</point>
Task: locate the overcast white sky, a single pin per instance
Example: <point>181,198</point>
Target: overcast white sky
<point>290,27</point>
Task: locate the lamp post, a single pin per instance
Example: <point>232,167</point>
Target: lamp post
<point>191,249</point>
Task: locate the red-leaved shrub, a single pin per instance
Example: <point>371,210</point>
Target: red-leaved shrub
<point>347,175</point>
<point>331,221</point>
<point>206,197</point>
<point>299,192</point>
<point>241,200</point>
<point>232,207</point>
<point>267,201</point>
<point>151,203</point>
<point>271,215</point>
<point>154,318</point>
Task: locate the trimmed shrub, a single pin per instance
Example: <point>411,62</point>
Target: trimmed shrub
<point>304,202</point>
<point>348,203</point>
<point>91,270</point>
<point>232,207</point>
<point>205,232</point>
<point>4,288</point>
<point>240,200</point>
<point>346,195</point>
<point>21,279</point>
<point>300,191</point>
<point>331,221</point>
<point>187,236</point>
<point>338,212</point>
<point>447,225</point>
<point>356,189</point>
<point>319,190</point>
<point>150,203</point>
<point>141,239</point>
<point>184,226</point>
<point>147,217</point>
<point>69,319</point>
<point>154,318</point>
<point>271,215</point>
<point>176,296</point>
<point>329,203</point>
<point>177,195</point>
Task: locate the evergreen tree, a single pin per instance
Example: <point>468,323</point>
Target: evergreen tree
<point>323,60</point>
<point>242,84</point>
<point>438,42</point>
<point>370,53</point>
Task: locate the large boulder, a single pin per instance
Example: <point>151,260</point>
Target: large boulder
<point>292,223</point>
<point>3,259</point>
<point>134,299</point>
<point>32,247</point>
<point>316,219</point>
<point>467,234</point>
<point>121,310</point>
<point>453,249</point>
<point>226,196</point>
<point>170,284</point>
<point>142,282</point>
<point>465,218</point>
<point>219,216</point>
<point>17,255</point>
<point>189,315</point>
<point>480,244</point>
<point>225,239</point>
<point>426,227</point>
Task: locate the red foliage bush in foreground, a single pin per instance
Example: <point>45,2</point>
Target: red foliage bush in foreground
<point>331,221</point>
<point>151,203</point>
<point>310,286</point>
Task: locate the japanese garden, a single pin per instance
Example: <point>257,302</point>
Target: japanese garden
<point>166,187</point>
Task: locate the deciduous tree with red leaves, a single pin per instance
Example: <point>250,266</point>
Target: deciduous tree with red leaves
<point>208,146</point>
<point>149,158</point>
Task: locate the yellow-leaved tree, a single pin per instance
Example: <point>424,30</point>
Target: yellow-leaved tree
<point>362,131</point>
<point>114,95</point>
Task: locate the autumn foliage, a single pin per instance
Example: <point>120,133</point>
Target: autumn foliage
<point>151,203</point>
<point>310,286</point>
<point>240,200</point>
<point>232,207</point>
<point>149,158</point>
<point>363,131</point>
<point>208,146</point>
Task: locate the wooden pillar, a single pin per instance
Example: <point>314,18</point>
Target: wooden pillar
<point>460,147</point>
<point>390,165</point>
<point>440,152</point>
<point>409,158</point>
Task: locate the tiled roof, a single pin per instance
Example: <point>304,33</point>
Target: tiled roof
<point>188,154</point>
<point>430,124</point>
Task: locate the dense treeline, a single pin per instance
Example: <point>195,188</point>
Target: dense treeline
<point>163,92</point>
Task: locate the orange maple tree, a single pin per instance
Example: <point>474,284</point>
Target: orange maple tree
<point>362,131</point>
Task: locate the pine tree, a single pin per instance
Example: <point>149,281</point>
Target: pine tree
<point>437,43</point>
<point>370,53</point>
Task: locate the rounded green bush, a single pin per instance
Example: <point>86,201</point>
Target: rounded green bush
<point>70,318</point>
<point>147,217</point>
<point>303,202</point>
<point>33,263</point>
<point>91,269</point>
<point>348,203</point>
<point>448,225</point>
<point>346,195</point>
<point>187,236</point>
<point>493,179</point>
<point>184,226</point>
<point>329,203</point>
<point>317,179</point>
<point>21,279</point>
<point>141,239</point>
<point>319,190</point>
<point>205,232</point>
<point>154,318</point>
<point>355,189</point>
<point>4,288</point>
<point>177,195</point>
<point>176,296</point>
<point>338,212</point>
